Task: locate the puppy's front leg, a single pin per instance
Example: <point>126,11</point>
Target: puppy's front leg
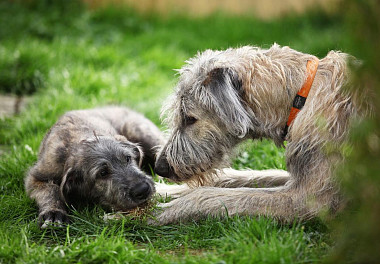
<point>52,209</point>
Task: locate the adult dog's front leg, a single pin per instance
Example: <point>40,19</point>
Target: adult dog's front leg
<point>230,178</point>
<point>210,201</point>
<point>172,190</point>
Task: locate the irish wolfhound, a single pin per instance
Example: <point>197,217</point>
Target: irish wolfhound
<point>93,156</point>
<point>225,97</point>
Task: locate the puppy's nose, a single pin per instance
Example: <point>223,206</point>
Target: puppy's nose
<point>140,191</point>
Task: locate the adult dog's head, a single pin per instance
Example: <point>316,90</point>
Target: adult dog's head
<point>206,116</point>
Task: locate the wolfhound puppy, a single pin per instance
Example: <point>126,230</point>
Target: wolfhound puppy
<point>225,97</point>
<point>94,156</point>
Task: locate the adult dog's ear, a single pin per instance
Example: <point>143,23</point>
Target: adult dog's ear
<point>225,92</point>
<point>70,184</point>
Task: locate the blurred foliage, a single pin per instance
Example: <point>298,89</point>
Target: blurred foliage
<point>21,73</point>
<point>358,229</point>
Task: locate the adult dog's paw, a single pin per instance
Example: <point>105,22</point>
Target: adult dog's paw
<point>156,215</point>
<point>164,214</point>
<point>196,204</point>
<point>178,210</point>
<point>52,218</point>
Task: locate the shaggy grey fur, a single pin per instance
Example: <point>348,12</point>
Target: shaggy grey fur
<point>225,97</point>
<point>94,156</point>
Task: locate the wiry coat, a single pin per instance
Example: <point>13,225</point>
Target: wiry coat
<point>93,156</point>
<point>225,97</point>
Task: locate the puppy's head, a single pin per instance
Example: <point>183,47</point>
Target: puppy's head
<point>106,170</point>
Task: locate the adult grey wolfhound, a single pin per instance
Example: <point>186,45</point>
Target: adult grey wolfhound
<point>93,156</point>
<point>225,97</point>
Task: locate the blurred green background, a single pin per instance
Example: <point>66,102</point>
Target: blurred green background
<point>61,55</point>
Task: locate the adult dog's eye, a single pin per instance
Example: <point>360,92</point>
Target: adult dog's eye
<point>104,171</point>
<point>189,120</point>
<point>128,158</point>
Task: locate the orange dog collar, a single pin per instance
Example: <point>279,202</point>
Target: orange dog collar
<point>300,99</point>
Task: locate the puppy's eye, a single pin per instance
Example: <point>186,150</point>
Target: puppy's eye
<point>128,158</point>
<point>189,120</point>
<point>104,171</point>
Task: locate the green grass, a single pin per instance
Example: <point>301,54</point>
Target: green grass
<point>70,59</point>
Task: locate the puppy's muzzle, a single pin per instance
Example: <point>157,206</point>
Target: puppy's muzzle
<point>140,191</point>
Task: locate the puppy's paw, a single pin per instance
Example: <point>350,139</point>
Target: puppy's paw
<point>52,218</point>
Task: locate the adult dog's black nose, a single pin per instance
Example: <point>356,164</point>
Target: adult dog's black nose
<point>161,167</point>
<point>140,191</point>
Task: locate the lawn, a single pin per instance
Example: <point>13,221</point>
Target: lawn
<point>68,58</point>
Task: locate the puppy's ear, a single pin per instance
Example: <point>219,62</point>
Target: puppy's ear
<point>121,138</point>
<point>138,151</point>
<point>225,92</point>
<point>70,184</point>
<point>136,148</point>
